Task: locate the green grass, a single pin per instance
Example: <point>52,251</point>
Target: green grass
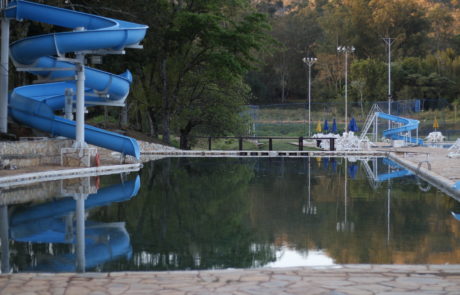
<point>260,145</point>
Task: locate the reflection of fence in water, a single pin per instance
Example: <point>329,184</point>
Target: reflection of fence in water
<point>292,119</point>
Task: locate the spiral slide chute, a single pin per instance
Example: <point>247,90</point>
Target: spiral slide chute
<point>407,126</point>
<point>43,55</point>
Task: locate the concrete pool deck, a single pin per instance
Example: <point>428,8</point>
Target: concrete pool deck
<point>337,280</point>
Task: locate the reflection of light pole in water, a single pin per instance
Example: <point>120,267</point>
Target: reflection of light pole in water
<point>344,225</point>
<point>4,238</point>
<point>309,209</point>
<point>388,206</point>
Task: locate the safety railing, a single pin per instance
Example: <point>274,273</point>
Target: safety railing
<point>270,139</point>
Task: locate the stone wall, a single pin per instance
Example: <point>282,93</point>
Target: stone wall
<point>26,153</point>
<point>47,151</point>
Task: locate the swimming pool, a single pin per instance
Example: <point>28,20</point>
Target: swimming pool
<point>214,213</point>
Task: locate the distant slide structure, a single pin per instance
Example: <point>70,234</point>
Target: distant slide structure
<point>407,126</point>
<point>43,55</point>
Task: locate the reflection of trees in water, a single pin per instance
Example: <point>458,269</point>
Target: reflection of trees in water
<point>193,213</point>
<point>422,230</point>
<point>218,213</point>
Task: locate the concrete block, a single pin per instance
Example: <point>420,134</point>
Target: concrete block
<point>78,157</point>
<point>398,143</point>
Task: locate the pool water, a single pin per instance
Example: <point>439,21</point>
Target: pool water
<point>215,213</point>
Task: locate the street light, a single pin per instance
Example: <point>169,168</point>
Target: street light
<point>309,61</point>
<point>389,41</point>
<point>346,50</point>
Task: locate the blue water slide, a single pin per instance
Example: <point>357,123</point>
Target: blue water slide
<point>44,56</point>
<point>395,133</point>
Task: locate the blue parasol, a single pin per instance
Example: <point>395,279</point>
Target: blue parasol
<point>334,126</point>
<point>353,126</point>
<point>326,126</point>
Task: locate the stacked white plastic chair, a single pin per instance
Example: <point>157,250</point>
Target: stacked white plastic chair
<point>347,142</point>
<point>435,137</point>
<point>454,150</point>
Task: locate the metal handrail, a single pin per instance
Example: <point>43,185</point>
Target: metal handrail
<point>270,140</point>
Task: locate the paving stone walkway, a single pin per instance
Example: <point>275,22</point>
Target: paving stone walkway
<point>338,280</point>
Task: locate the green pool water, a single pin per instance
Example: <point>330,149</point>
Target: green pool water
<point>217,213</point>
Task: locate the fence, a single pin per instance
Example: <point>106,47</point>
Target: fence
<point>292,119</point>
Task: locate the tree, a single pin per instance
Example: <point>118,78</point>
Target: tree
<point>196,38</point>
<point>372,72</point>
<point>404,20</point>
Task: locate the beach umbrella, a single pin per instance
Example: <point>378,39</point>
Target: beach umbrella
<point>318,127</point>
<point>353,126</point>
<point>326,126</point>
<point>435,124</point>
<point>334,126</point>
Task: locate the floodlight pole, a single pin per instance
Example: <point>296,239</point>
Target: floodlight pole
<point>309,61</point>
<point>389,41</point>
<point>4,67</point>
<point>346,50</point>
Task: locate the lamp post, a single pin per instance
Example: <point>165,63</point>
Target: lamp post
<point>309,61</point>
<point>346,50</point>
<point>389,41</point>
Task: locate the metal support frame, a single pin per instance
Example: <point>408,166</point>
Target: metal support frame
<point>4,68</point>
<point>80,115</point>
<point>68,107</point>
